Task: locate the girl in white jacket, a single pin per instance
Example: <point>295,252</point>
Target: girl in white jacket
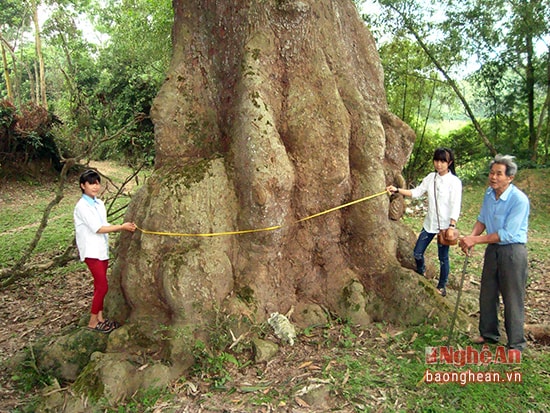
<point>445,187</point>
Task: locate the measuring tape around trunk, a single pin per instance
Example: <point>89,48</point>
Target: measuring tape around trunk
<point>249,231</point>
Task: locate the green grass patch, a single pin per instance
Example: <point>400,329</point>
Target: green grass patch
<point>143,401</point>
<point>395,376</point>
<point>23,210</point>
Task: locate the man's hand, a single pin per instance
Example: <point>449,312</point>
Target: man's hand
<point>466,244</point>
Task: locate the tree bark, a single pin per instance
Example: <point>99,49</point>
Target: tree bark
<point>7,77</point>
<point>530,91</point>
<point>42,97</point>
<point>271,112</point>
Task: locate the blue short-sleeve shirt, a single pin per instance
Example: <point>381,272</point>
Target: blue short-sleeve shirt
<point>508,216</point>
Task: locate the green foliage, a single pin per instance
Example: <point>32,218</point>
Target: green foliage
<point>25,135</point>
<point>28,376</point>
<point>510,86</point>
<point>421,160</point>
<point>7,115</point>
<point>131,70</point>
<point>472,157</point>
<point>402,371</point>
<point>143,401</point>
<point>466,144</point>
<point>97,89</point>
<point>213,365</point>
<point>12,14</point>
<point>414,91</point>
<point>507,89</point>
<point>348,336</point>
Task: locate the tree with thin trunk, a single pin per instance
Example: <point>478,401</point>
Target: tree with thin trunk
<point>43,99</point>
<point>13,19</point>
<point>7,77</point>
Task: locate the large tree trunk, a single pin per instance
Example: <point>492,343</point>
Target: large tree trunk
<point>272,111</point>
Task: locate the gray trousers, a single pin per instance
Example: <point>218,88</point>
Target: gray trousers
<point>504,272</point>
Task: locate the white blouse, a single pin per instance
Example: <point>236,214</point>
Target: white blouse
<point>448,189</point>
<point>90,215</point>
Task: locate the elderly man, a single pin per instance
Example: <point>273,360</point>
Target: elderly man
<point>504,219</point>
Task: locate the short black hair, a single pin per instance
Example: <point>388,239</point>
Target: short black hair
<point>89,176</point>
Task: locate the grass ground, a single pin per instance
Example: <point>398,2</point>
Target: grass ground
<point>336,367</point>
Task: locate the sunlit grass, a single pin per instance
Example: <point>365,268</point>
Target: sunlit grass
<point>21,218</point>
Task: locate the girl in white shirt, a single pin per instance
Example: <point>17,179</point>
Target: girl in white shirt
<point>91,228</point>
<point>447,187</point>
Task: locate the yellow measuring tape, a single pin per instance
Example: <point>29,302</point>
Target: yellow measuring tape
<point>248,231</point>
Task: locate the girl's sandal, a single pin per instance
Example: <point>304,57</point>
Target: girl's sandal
<point>102,327</point>
<point>113,323</point>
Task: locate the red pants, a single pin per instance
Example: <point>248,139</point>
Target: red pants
<point>99,272</point>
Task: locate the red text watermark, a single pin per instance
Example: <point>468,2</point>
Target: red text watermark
<point>470,355</point>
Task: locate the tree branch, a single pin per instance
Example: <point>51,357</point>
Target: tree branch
<point>449,80</point>
<point>21,269</point>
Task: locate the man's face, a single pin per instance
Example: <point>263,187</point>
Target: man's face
<point>498,180</point>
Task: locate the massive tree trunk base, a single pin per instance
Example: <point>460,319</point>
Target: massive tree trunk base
<point>191,280</point>
<point>132,359</point>
<point>272,112</point>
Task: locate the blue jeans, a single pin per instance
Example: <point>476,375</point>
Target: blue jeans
<point>422,243</point>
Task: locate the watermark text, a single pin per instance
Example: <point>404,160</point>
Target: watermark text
<point>471,355</point>
<point>466,377</point>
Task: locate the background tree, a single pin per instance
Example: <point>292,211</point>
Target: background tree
<point>509,87</point>
<point>96,87</point>
<point>13,20</point>
<point>134,64</point>
<point>418,21</point>
<point>417,94</point>
<point>505,35</point>
<point>7,78</point>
